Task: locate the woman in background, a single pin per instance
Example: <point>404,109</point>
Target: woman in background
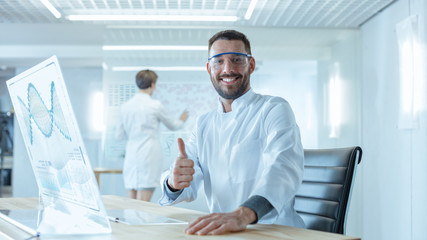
<point>140,117</point>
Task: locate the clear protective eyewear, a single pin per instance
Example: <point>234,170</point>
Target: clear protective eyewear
<point>236,59</point>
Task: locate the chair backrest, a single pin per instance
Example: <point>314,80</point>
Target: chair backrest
<point>323,198</point>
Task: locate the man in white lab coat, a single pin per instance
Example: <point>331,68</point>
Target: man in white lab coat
<point>247,153</point>
<point>139,123</point>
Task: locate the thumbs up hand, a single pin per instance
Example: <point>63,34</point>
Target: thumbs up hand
<point>181,148</point>
<point>182,173</point>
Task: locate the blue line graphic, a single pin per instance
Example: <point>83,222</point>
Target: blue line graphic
<point>45,119</point>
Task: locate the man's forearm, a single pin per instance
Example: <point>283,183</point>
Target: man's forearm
<point>260,205</point>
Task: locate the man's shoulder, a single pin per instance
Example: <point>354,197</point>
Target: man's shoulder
<point>273,106</point>
<point>271,100</point>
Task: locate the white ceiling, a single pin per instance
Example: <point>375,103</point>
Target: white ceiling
<point>274,23</point>
<point>267,13</point>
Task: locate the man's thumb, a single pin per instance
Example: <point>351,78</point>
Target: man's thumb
<point>181,147</point>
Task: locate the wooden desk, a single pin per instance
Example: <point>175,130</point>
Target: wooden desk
<point>99,171</point>
<point>124,231</point>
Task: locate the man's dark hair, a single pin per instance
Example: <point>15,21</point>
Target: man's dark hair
<point>145,78</point>
<point>231,35</point>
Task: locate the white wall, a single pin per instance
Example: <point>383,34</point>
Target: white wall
<point>394,160</point>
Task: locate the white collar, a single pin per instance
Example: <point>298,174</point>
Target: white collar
<point>239,102</point>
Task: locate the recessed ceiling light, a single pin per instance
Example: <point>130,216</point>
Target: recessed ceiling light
<point>151,18</point>
<point>153,47</point>
<point>250,9</point>
<point>51,8</point>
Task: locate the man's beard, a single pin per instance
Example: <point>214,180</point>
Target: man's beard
<point>237,93</point>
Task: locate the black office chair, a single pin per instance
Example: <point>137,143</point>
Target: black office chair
<point>323,199</point>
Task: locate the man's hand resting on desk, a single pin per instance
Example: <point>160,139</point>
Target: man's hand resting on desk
<point>219,223</point>
<point>182,173</point>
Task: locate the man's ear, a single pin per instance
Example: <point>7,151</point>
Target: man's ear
<point>208,68</point>
<point>252,64</point>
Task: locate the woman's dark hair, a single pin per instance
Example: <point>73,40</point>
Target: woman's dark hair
<point>145,78</point>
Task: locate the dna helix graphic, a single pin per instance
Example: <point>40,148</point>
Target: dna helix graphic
<point>44,119</point>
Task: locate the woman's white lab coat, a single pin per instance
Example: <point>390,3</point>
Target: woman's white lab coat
<point>139,124</point>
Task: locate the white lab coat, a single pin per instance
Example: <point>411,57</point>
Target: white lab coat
<point>253,150</point>
<point>140,117</point>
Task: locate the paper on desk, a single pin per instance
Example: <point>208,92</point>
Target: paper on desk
<point>137,217</point>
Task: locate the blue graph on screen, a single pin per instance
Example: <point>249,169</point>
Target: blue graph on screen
<point>44,118</point>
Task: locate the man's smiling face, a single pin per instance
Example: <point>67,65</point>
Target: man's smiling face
<point>230,79</point>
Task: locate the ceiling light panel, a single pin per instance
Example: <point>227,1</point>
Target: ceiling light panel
<point>51,8</point>
<point>157,36</point>
<point>26,11</point>
<point>162,37</point>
